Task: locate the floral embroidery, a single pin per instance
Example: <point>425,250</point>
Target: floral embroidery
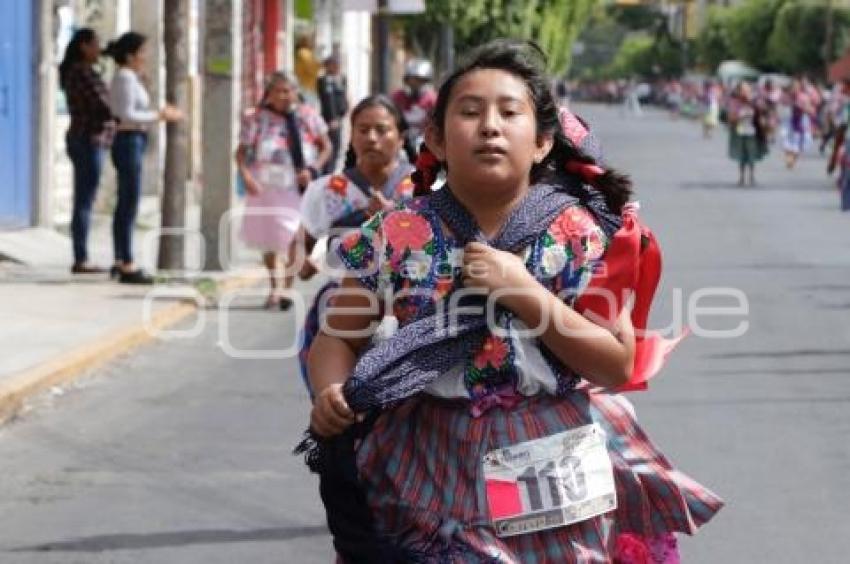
<point>338,185</point>
<point>407,230</point>
<point>553,260</point>
<point>572,224</point>
<point>418,265</point>
<point>493,352</point>
<point>443,286</point>
<point>414,255</point>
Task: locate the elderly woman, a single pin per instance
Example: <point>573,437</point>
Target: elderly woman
<point>282,147</point>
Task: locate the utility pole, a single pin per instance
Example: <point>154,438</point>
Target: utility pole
<point>175,38</point>
<point>221,71</point>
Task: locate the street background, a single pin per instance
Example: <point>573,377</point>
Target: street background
<point>179,453</point>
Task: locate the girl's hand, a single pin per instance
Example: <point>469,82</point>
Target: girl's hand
<point>379,203</point>
<point>492,269</point>
<point>331,415</point>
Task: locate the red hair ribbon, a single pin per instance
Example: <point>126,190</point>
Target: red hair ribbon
<point>631,266</point>
<point>589,172</point>
<point>573,128</point>
<point>426,171</point>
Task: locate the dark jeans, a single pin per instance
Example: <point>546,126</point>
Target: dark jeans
<point>336,140</point>
<point>128,151</point>
<point>87,158</point>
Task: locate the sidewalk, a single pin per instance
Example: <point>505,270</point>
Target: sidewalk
<point>57,327</point>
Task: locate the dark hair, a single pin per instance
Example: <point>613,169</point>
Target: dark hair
<point>382,101</point>
<point>74,52</point>
<point>526,61</point>
<point>126,45</point>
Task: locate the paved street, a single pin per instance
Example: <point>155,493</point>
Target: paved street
<point>180,453</point>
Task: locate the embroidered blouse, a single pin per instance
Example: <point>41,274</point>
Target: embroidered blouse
<point>406,257</point>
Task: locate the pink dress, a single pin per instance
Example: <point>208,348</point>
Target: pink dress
<point>271,218</point>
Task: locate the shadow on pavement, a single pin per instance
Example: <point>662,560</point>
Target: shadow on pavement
<point>103,543</point>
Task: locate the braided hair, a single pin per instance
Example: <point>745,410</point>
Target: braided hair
<point>382,101</point>
<point>526,61</point>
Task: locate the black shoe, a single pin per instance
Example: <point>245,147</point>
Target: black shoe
<point>83,268</point>
<point>135,277</point>
<point>285,304</point>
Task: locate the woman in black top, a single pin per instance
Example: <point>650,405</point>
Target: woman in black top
<point>90,133</point>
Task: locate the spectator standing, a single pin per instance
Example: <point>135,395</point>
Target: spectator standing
<point>131,104</point>
<point>333,101</point>
<point>90,133</point>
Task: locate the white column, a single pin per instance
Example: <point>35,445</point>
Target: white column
<point>289,39</point>
<point>356,51</point>
<point>221,72</point>
<point>44,114</point>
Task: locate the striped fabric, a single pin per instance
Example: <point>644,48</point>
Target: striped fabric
<point>421,467</point>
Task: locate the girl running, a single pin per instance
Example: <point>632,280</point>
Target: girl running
<point>493,442</point>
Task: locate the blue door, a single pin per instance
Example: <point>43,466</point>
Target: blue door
<point>16,71</point>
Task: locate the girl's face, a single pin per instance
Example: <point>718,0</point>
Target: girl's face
<point>91,50</point>
<point>490,139</point>
<point>375,137</point>
<point>139,59</point>
<point>281,96</point>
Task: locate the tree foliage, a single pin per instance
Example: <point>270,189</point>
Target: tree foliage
<point>646,56</point>
<point>774,35</point>
<point>798,41</point>
<point>553,24</point>
<point>749,27</point>
<point>712,43</point>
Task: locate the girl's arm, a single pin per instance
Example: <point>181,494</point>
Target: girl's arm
<point>602,356</point>
<point>351,320</point>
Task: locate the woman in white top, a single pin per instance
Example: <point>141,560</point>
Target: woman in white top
<point>130,104</point>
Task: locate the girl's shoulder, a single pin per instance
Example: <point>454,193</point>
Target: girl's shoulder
<point>574,222</point>
<point>571,246</point>
<point>390,235</point>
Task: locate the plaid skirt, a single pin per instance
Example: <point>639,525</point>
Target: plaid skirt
<point>422,472</point>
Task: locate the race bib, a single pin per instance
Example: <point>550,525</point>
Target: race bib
<point>549,482</point>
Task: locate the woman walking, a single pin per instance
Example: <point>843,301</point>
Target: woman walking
<point>282,147</point>
<point>89,134</point>
<point>798,130</point>
<point>131,104</point>
<point>747,141</point>
<point>375,178</point>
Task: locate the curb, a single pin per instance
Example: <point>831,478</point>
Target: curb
<point>70,365</point>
